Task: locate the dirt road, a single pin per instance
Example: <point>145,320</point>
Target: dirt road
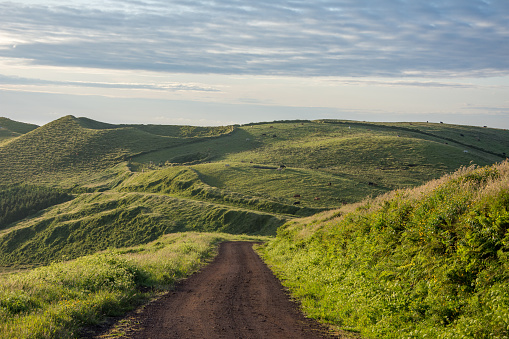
<point>235,296</point>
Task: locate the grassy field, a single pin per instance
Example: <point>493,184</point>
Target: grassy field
<point>142,185</point>
<point>133,183</point>
<point>58,300</point>
<point>428,262</point>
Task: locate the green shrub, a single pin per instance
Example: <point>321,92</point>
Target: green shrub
<point>428,262</point>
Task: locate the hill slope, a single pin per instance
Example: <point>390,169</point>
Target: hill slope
<point>428,262</point>
<point>136,182</point>
<point>71,149</point>
<point>10,129</point>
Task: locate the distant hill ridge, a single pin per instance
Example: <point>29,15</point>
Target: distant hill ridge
<point>16,126</point>
<point>72,146</point>
<point>137,182</point>
<point>10,129</point>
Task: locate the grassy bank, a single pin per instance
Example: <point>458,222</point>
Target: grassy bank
<point>186,182</point>
<point>430,262</point>
<point>58,300</point>
<point>97,221</point>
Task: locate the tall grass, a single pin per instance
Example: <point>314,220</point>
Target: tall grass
<point>58,300</point>
<point>431,262</point>
<point>97,221</point>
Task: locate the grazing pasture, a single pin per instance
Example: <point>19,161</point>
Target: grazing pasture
<point>77,187</point>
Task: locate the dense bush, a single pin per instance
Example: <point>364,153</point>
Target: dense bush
<point>429,262</point>
<point>18,202</point>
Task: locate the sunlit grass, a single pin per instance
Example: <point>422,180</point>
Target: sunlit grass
<point>56,301</point>
<point>431,262</point>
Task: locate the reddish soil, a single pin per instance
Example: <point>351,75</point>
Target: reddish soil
<point>235,296</point>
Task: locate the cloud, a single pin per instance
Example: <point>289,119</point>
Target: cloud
<point>488,109</point>
<point>14,80</point>
<point>266,37</point>
<point>403,83</point>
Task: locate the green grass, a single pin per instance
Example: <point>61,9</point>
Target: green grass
<point>58,300</point>
<point>97,221</point>
<point>134,183</point>
<point>431,262</point>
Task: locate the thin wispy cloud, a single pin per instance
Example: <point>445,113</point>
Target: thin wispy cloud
<point>277,37</point>
<point>14,80</point>
<point>403,83</point>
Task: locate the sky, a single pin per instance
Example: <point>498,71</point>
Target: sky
<point>220,62</point>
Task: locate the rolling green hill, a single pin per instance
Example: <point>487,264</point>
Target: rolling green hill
<point>134,183</point>
<point>10,129</point>
<point>67,149</point>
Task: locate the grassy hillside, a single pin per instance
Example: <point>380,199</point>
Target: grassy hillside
<point>10,129</point>
<point>134,183</point>
<point>17,202</point>
<point>16,126</point>
<point>358,159</point>
<point>186,182</point>
<point>428,262</point>
<point>70,150</point>
<point>97,221</point>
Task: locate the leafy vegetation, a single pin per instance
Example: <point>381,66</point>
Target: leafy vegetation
<point>56,301</point>
<point>427,262</point>
<point>417,261</point>
<point>20,201</point>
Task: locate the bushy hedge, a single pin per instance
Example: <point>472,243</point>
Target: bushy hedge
<point>432,262</point>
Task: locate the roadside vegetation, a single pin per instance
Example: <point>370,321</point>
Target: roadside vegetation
<point>59,300</point>
<point>364,244</point>
<point>428,262</point>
